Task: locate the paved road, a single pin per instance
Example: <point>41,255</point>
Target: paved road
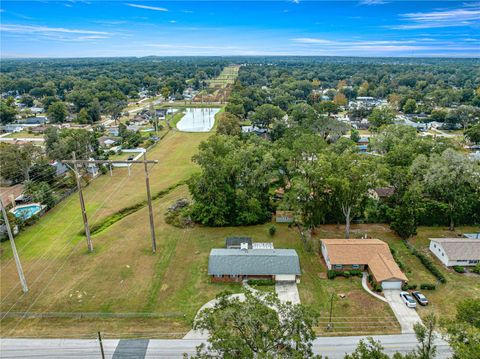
<point>333,347</point>
<point>407,317</point>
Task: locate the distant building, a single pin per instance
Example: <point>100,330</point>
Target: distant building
<point>60,168</point>
<point>456,251</point>
<point>108,141</point>
<point>38,120</point>
<point>284,216</point>
<point>12,128</point>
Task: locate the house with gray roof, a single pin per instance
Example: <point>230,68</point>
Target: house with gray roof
<point>456,251</point>
<point>234,265</point>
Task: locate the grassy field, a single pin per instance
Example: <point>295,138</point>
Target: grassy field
<point>123,276</point>
<point>24,134</point>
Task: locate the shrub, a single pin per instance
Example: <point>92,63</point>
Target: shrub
<point>272,230</point>
<point>407,286</point>
<point>427,263</point>
<point>356,272</point>
<point>400,264</point>
<point>476,269</point>
<point>346,274</point>
<point>427,286</point>
<point>331,274</point>
<point>261,282</point>
<point>459,269</point>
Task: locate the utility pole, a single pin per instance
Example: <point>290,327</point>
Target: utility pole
<point>14,249</point>
<point>150,210</point>
<point>82,204</point>
<point>330,325</point>
<point>101,344</point>
<point>75,162</point>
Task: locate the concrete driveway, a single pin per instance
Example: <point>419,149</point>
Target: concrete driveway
<point>407,317</point>
<point>287,292</point>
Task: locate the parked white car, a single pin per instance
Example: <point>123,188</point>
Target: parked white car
<point>408,300</point>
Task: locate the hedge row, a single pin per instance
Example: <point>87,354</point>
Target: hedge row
<point>400,264</point>
<point>427,263</point>
<point>331,274</point>
<point>261,282</point>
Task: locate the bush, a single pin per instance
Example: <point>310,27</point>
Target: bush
<point>346,274</point>
<point>407,286</point>
<point>400,264</point>
<point>427,286</point>
<point>476,269</point>
<point>331,274</point>
<point>356,272</point>
<point>459,269</point>
<point>261,282</point>
<point>272,230</point>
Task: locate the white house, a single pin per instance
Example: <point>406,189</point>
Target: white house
<point>456,251</point>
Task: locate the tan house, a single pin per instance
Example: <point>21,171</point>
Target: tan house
<point>372,255</point>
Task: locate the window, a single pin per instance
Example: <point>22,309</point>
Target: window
<point>473,261</point>
<point>218,276</point>
<point>337,266</point>
<point>443,254</point>
<point>434,246</point>
<point>355,266</point>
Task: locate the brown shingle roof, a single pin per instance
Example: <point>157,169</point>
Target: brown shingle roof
<point>460,248</point>
<point>372,252</point>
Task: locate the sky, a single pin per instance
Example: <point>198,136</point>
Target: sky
<point>93,28</point>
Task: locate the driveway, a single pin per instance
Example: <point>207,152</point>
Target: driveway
<point>407,317</point>
<point>287,292</point>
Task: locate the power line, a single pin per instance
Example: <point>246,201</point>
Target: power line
<point>14,250</point>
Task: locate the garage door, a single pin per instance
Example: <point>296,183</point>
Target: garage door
<point>285,277</point>
<point>392,285</point>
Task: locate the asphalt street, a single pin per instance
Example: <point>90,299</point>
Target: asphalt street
<point>333,347</point>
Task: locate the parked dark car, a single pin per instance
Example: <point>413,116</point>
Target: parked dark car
<point>130,158</point>
<point>420,298</point>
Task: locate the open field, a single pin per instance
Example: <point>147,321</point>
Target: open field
<point>122,276</point>
<point>226,77</point>
<point>24,134</point>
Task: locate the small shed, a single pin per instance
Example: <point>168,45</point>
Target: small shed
<point>236,242</point>
<point>284,216</point>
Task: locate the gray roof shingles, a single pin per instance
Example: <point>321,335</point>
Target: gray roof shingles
<point>460,248</point>
<point>253,262</point>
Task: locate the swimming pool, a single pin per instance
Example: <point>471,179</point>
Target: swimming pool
<point>197,119</point>
<point>26,211</point>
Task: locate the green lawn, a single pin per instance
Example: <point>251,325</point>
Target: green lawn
<point>24,134</point>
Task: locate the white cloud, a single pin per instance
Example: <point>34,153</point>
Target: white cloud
<point>155,8</point>
<point>173,21</point>
<point>465,16</point>
<point>296,1</point>
<point>31,29</point>
<point>373,2</point>
<point>378,47</point>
